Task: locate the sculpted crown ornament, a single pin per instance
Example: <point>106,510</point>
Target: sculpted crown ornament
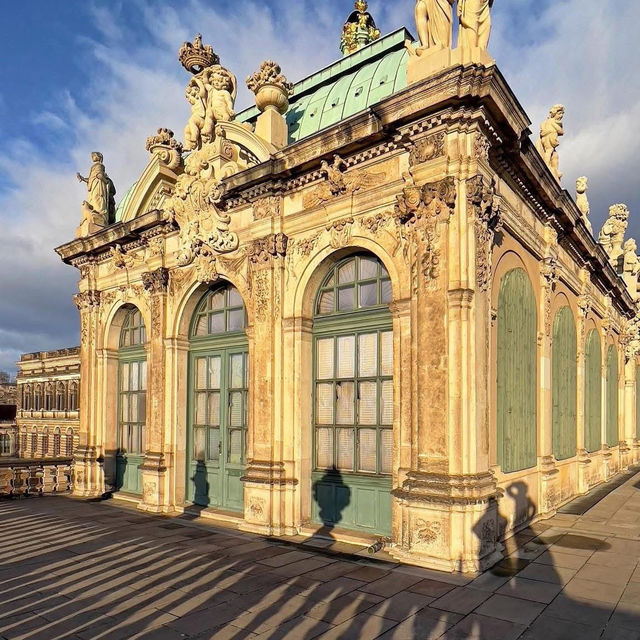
<point>195,57</point>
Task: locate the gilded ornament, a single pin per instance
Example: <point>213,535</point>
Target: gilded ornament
<point>359,30</point>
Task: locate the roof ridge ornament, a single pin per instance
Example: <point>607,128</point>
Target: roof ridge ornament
<point>194,56</point>
<point>359,30</point>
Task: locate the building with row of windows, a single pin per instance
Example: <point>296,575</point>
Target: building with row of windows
<point>364,306</point>
<point>47,419</point>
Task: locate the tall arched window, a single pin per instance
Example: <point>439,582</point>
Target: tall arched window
<point>56,442</point>
<point>517,373</point>
<point>60,396</point>
<point>34,441</point>
<point>68,442</point>
<point>37,397</point>
<point>27,399</point>
<point>45,441</point>
<point>218,409</point>
<point>565,387</point>
<point>353,389</point>
<point>593,393</point>
<point>612,397</point>
<point>132,403</point>
<point>48,396</point>
<point>73,396</point>
<point>5,444</point>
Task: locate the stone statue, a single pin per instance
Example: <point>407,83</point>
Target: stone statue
<point>475,23</point>
<point>98,210</point>
<point>611,236</point>
<point>195,95</point>
<point>434,23</point>
<point>631,267</point>
<point>550,132</point>
<point>582,202</point>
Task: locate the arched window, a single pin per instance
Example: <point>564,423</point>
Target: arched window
<point>73,396</point>
<point>612,397</point>
<point>5,444</point>
<point>218,413</point>
<point>353,394</point>
<point>593,393</point>
<point>565,386</point>
<point>26,397</point>
<point>56,442</point>
<point>34,441</point>
<point>68,442</point>
<point>48,396</point>
<point>60,396</point>
<point>516,373</point>
<point>45,441</point>
<point>37,397</point>
<point>132,403</point>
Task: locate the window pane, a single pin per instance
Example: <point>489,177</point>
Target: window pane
<point>201,408</point>
<point>324,404</point>
<point>143,376</point>
<point>235,446</point>
<point>345,402</point>
<point>124,408</point>
<point>368,268</point>
<point>347,272</point>
<point>215,365</point>
<point>216,300</point>
<point>235,409</point>
<point>327,302</point>
<point>368,355</point>
<point>134,382</point>
<point>345,449</point>
<point>214,444</point>
<point>201,373</point>
<point>346,357</point>
<point>236,320</point>
<point>142,408</point>
<point>324,357</point>
<point>324,448</point>
<point>386,402</point>
<point>386,360</point>
<point>214,409</point>
<point>135,439</point>
<point>368,294</point>
<point>386,451</point>
<point>386,294</point>
<point>367,450</point>
<point>345,299</point>
<point>367,403</point>
<point>133,407</point>
<point>199,444</point>
<point>201,328</point>
<point>124,376</point>
<point>216,323</point>
<point>237,373</point>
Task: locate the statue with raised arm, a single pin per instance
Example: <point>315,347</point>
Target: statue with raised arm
<point>98,210</point>
<point>550,132</point>
<point>434,23</point>
<point>475,23</point>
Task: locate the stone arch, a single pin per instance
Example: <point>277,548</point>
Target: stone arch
<point>508,261</point>
<point>115,319</point>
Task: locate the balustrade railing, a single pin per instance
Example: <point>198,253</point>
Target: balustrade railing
<point>26,477</point>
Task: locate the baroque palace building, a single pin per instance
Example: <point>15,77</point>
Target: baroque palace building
<point>364,307</point>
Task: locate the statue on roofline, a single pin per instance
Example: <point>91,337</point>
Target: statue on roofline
<point>98,210</point>
<point>611,236</point>
<point>550,132</point>
<point>475,23</point>
<point>434,22</point>
<point>582,201</point>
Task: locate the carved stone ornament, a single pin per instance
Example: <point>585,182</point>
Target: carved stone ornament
<point>166,147</point>
<point>268,207</point>
<point>156,281</point>
<point>427,149</point>
<point>481,147</point>
<point>195,57</point>
<point>262,250</point>
<point>582,185</point>
<point>271,88</point>
<point>340,231</point>
<point>427,532</point>
<point>611,236</point>
<point>340,183</point>
<point>122,260</point>
<point>87,300</point>
<point>549,272</point>
<point>630,338</point>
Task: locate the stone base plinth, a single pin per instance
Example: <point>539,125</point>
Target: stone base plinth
<point>153,483</point>
<point>88,473</point>
<point>426,63</point>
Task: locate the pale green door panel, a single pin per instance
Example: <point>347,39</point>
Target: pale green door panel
<point>613,437</point>
<point>564,391</point>
<point>516,373</point>
<point>593,393</point>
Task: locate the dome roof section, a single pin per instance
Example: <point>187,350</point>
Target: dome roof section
<point>122,205</point>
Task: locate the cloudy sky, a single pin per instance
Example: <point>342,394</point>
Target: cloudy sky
<point>83,75</point>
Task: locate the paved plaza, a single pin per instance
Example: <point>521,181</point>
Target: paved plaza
<point>77,569</point>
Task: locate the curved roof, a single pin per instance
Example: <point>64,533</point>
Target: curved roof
<point>346,87</point>
<point>122,205</point>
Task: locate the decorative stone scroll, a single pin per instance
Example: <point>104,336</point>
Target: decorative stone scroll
<point>268,207</point>
<point>166,148</point>
<point>427,149</point>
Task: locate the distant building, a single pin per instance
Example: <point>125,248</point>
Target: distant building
<point>8,428</point>
<point>47,393</point>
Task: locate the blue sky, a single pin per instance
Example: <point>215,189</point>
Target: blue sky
<point>83,75</point>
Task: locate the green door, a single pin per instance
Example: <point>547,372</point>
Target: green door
<point>353,399</point>
<point>218,406</point>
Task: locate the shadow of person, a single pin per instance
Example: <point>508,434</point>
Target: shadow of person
<point>200,481</point>
<point>332,496</point>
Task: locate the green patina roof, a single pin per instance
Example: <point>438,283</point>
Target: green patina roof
<point>122,205</point>
<point>346,87</point>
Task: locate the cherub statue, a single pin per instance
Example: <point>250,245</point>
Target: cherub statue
<point>550,132</point>
<point>434,23</point>
<point>475,23</point>
<point>221,90</point>
<point>196,96</point>
<point>100,188</point>
<point>612,234</point>
<point>582,202</point>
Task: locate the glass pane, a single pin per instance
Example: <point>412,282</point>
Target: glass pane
<point>367,403</point>
<point>235,409</point>
<point>215,366</point>
<point>235,446</point>
<point>134,382</point>
<point>368,355</point>
<point>368,294</point>
<point>235,299</point>
<point>143,442</point>
<point>143,376</point>
<point>386,294</point>
<point>216,323</point>
<point>142,408</point>
<point>201,328</point>
<point>368,268</point>
<point>124,408</point>
<point>344,402</point>
<point>324,448</point>
<point>199,444</point>
<point>237,373</point>
<point>324,357</point>
<point>346,357</point>
<point>327,302</point>
<point>216,300</point>
<point>236,320</point>
<point>201,373</point>
<point>124,376</point>
<point>330,282</point>
<point>201,408</point>
<point>214,410</point>
<point>135,439</point>
<point>214,444</point>
<point>386,450</point>
<point>386,402</point>
<point>324,404</point>
<point>124,437</point>
<point>143,334</point>
<point>347,272</point>
<point>386,359</point>
<point>345,299</point>
<point>367,451</point>
<point>133,407</point>
<point>246,370</point>
<point>345,449</point>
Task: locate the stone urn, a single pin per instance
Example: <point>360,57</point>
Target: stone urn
<point>272,96</point>
<point>271,88</point>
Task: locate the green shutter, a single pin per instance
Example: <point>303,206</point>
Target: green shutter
<point>612,397</point>
<point>638,402</point>
<point>593,393</point>
<point>516,373</point>
<point>564,385</point>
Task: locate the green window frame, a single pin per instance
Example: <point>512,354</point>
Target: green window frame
<point>613,437</point>
<point>517,373</point>
<point>133,332</point>
<point>564,385</point>
<point>221,311</point>
<point>353,370</point>
<point>593,393</point>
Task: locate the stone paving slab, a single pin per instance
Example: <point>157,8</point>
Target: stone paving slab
<point>72,569</point>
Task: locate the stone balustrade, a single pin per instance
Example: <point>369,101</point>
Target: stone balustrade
<point>19,477</point>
